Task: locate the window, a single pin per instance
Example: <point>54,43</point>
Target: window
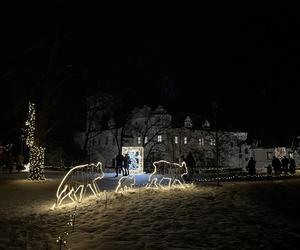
<point>201,141</point>
<point>93,142</point>
<point>212,142</point>
<point>106,140</point>
<point>246,151</point>
<point>231,144</point>
<point>185,140</point>
<point>269,155</point>
<point>159,138</point>
<point>146,139</point>
<point>99,141</point>
<point>176,139</point>
<point>139,140</point>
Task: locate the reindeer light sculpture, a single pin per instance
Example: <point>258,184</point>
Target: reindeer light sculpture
<point>77,181</point>
<point>164,171</point>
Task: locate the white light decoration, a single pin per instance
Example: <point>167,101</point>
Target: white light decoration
<point>175,172</point>
<point>36,153</point>
<point>136,155</point>
<point>125,183</point>
<point>280,152</point>
<point>78,180</point>
<point>27,167</point>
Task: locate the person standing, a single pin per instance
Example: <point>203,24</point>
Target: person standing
<point>285,164</point>
<point>251,166</point>
<point>20,160</point>
<point>276,164</point>
<point>292,166</point>
<point>126,164</point>
<point>10,161</point>
<point>119,164</point>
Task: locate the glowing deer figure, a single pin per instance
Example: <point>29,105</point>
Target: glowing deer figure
<point>164,171</point>
<point>125,183</point>
<point>78,180</point>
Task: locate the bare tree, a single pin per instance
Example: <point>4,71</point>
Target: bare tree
<point>96,109</point>
<point>149,129</point>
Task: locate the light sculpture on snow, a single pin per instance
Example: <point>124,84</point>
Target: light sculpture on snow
<point>125,183</point>
<point>164,171</point>
<point>76,182</point>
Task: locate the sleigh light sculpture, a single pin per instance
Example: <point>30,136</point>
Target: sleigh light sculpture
<point>76,182</point>
<point>167,172</point>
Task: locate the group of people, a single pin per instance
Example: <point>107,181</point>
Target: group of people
<point>284,165</point>
<point>122,164</point>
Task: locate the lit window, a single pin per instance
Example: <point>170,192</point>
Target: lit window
<point>139,140</point>
<point>201,141</point>
<point>176,139</point>
<point>159,138</point>
<point>185,140</point>
<point>212,142</point>
<point>146,139</point>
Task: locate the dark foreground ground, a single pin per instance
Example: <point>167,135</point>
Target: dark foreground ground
<point>244,215</point>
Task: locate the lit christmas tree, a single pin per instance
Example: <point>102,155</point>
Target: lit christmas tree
<point>36,153</point>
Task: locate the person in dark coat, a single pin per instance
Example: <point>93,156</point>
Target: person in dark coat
<point>285,164</point>
<point>292,166</point>
<point>269,169</point>
<point>276,164</point>
<point>10,161</point>
<point>126,164</point>
<point>251,166</point>
<point>119,164</point>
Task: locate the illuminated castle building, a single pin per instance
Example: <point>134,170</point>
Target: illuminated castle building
<point>152,135</point>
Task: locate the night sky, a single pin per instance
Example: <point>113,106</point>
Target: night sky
<point>183,56</point>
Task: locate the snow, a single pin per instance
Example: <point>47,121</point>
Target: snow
<point>245,215</point>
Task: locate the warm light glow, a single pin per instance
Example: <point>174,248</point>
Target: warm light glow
<point>36,153</point>
<point>79,179</point>
<point>172,175</point>
<point>125,183</point>
<point>27,167</point>
<point>136,155</point>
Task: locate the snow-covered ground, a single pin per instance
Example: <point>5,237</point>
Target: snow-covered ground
<point>256,215</point>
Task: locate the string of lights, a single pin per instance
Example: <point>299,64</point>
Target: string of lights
<point>72,183</point>
<point>62,239</point>
<point>257,177</point>
<point>36,153</point>
<point>153,179</point>
<point>126,183</point>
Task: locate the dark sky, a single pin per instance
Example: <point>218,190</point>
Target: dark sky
<point>184,56</point>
